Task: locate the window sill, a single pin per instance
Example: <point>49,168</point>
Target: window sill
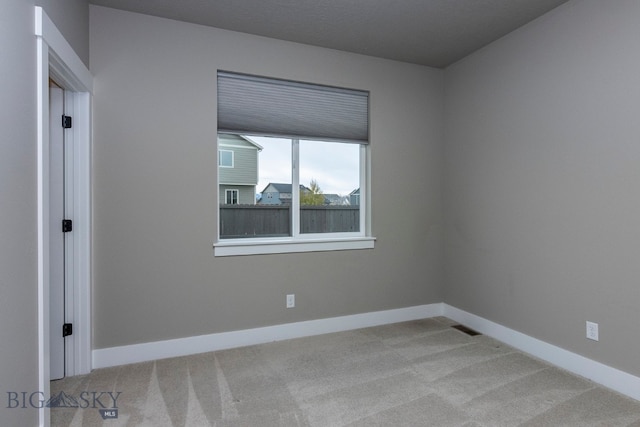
<point>281,246</point>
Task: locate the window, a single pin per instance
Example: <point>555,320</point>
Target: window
<point>225,158</point>
<point>329,171</point>
<point>313,156</point>
<point>231,197</point>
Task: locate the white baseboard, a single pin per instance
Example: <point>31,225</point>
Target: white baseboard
<point>115,356</point>
<point>597,372</point>
<point>607,376</point>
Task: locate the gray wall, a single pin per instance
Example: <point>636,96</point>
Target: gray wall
<point>18,227</point>
<point>18,239</point>
<point>542,180</point>
<point>70,16</point>
<point>155,215</point>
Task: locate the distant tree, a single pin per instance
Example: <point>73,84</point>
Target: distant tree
<point>313,196</point>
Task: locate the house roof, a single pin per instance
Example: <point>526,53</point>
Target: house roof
<point>233,138</point>
<point>282,188</point>
<point>248,139</point>
<point>334,198</point>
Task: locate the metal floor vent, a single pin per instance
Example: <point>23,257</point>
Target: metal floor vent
<point>466,330</point>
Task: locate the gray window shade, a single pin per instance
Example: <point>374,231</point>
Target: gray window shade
<point>262,106</point>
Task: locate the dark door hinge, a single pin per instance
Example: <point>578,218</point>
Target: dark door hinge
<point>67,329</point>
<point>67,225</point>
<point>66,122</point>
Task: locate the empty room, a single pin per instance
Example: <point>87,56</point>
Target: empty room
<point>299,213</point>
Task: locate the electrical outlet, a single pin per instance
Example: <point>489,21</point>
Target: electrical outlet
<point>592,331</point>
<point>291,300</point>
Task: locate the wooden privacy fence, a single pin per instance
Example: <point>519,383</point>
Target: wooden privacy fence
<point>242,221</point>
<point>329,219</point>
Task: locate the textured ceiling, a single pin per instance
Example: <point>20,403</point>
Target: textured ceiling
<point>428,32</point>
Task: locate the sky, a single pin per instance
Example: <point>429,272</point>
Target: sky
<point>334,166</point>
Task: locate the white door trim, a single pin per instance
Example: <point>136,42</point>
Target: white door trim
<point>57,240</point>
<point>56,59</point>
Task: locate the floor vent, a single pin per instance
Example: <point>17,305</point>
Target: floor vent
<point>466,330</point>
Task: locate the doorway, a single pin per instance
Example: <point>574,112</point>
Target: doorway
<point>57,236</point>
<point>57,60</point>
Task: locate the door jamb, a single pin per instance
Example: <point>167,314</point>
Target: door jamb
<point>56,59</point>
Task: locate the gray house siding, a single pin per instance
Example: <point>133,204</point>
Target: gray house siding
<point>271,195</point>
<point>354,197</point>
<point>243,174</point>
<point>246,193</point>
<point>278,194</point>
<point>245,165</point>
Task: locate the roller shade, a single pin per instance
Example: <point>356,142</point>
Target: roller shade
<point>254,105</point>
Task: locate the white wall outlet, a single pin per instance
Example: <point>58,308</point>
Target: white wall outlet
<point>592,331</point>
<point>291,300</point>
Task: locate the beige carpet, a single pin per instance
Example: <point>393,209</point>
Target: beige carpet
<point>420,373</point>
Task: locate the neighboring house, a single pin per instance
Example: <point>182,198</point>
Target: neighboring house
<point>335,200</point>
<point>278,194</point>
<point>354,197</point>
<point>238,169</point>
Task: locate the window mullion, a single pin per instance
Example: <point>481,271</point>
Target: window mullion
<point>364,181</point>
<point>295,188</point>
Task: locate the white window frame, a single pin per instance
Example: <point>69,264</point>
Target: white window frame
<point>226,196</point>
<point>220,165</point>
<point>308,242</point>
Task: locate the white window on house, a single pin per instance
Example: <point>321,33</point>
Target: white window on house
<point>315,146</point>
<point>225,158</point>
<point>231,197</point>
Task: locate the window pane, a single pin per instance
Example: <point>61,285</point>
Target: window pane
<point>269,215</point>
<point>232,197</point>
<point>226,158</point>
<point>329,180</point>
